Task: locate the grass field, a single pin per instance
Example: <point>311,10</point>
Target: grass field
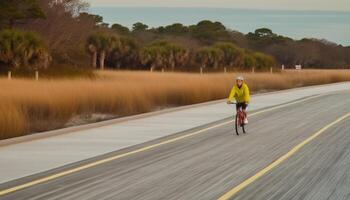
<point>29,106</point>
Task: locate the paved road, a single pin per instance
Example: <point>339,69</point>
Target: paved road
<point>35,156</point>
<point>209,164</point>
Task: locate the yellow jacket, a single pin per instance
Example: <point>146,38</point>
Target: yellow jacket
<point>240,94</point>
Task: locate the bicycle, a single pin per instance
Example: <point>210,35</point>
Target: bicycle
<point>239,120</point>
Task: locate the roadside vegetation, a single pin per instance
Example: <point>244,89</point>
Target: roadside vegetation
<point>63,36</point>
<point>29,106</point>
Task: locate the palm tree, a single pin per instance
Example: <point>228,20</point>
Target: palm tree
<point>164,54</point>
<point>30,48</point>
<point>25,49</point>
<point>209,57</point>
<point>11,44</point>
<point>178,55</point>
<point>99,45</point>
<point>92,47</point>
<point>104,46</point>
<point>232,55</point>
<point>126,53</point>
<point>152,56</point>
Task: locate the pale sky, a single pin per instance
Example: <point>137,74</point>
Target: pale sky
<point>337,5</point>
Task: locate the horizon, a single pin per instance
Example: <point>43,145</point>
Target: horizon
<point>225,8</point>
<point>317,5</point>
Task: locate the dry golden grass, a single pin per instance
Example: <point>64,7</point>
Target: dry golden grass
<point>31,106</point>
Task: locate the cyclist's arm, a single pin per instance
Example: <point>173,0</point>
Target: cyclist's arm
<point>246,94</point>
<point>232,94</point>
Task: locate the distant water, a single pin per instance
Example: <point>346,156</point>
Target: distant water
<point>333,26</point>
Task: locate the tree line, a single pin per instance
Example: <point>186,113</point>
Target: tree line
<point>124,52</point>
<point>61,33</point>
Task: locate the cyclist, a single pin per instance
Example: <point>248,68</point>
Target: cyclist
<point>240,92</point>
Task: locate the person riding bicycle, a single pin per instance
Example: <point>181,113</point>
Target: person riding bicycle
<point>240,92</point>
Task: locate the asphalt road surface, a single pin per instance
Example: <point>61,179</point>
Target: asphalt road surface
<point>210,164</point>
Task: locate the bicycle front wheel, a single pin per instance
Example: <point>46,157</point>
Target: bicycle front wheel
<point>237,124</point>
<point>243,128</point>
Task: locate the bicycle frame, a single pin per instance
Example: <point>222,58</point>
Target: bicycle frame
<point>241,116</point>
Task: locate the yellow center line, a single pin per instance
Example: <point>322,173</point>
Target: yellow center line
<point>96,163</point>
<point>295,149</point>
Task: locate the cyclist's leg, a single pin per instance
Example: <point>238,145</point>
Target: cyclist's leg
<point>239,106</point>
<point>244,108</point>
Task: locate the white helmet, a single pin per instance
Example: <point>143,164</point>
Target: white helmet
<point>240,78</point>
